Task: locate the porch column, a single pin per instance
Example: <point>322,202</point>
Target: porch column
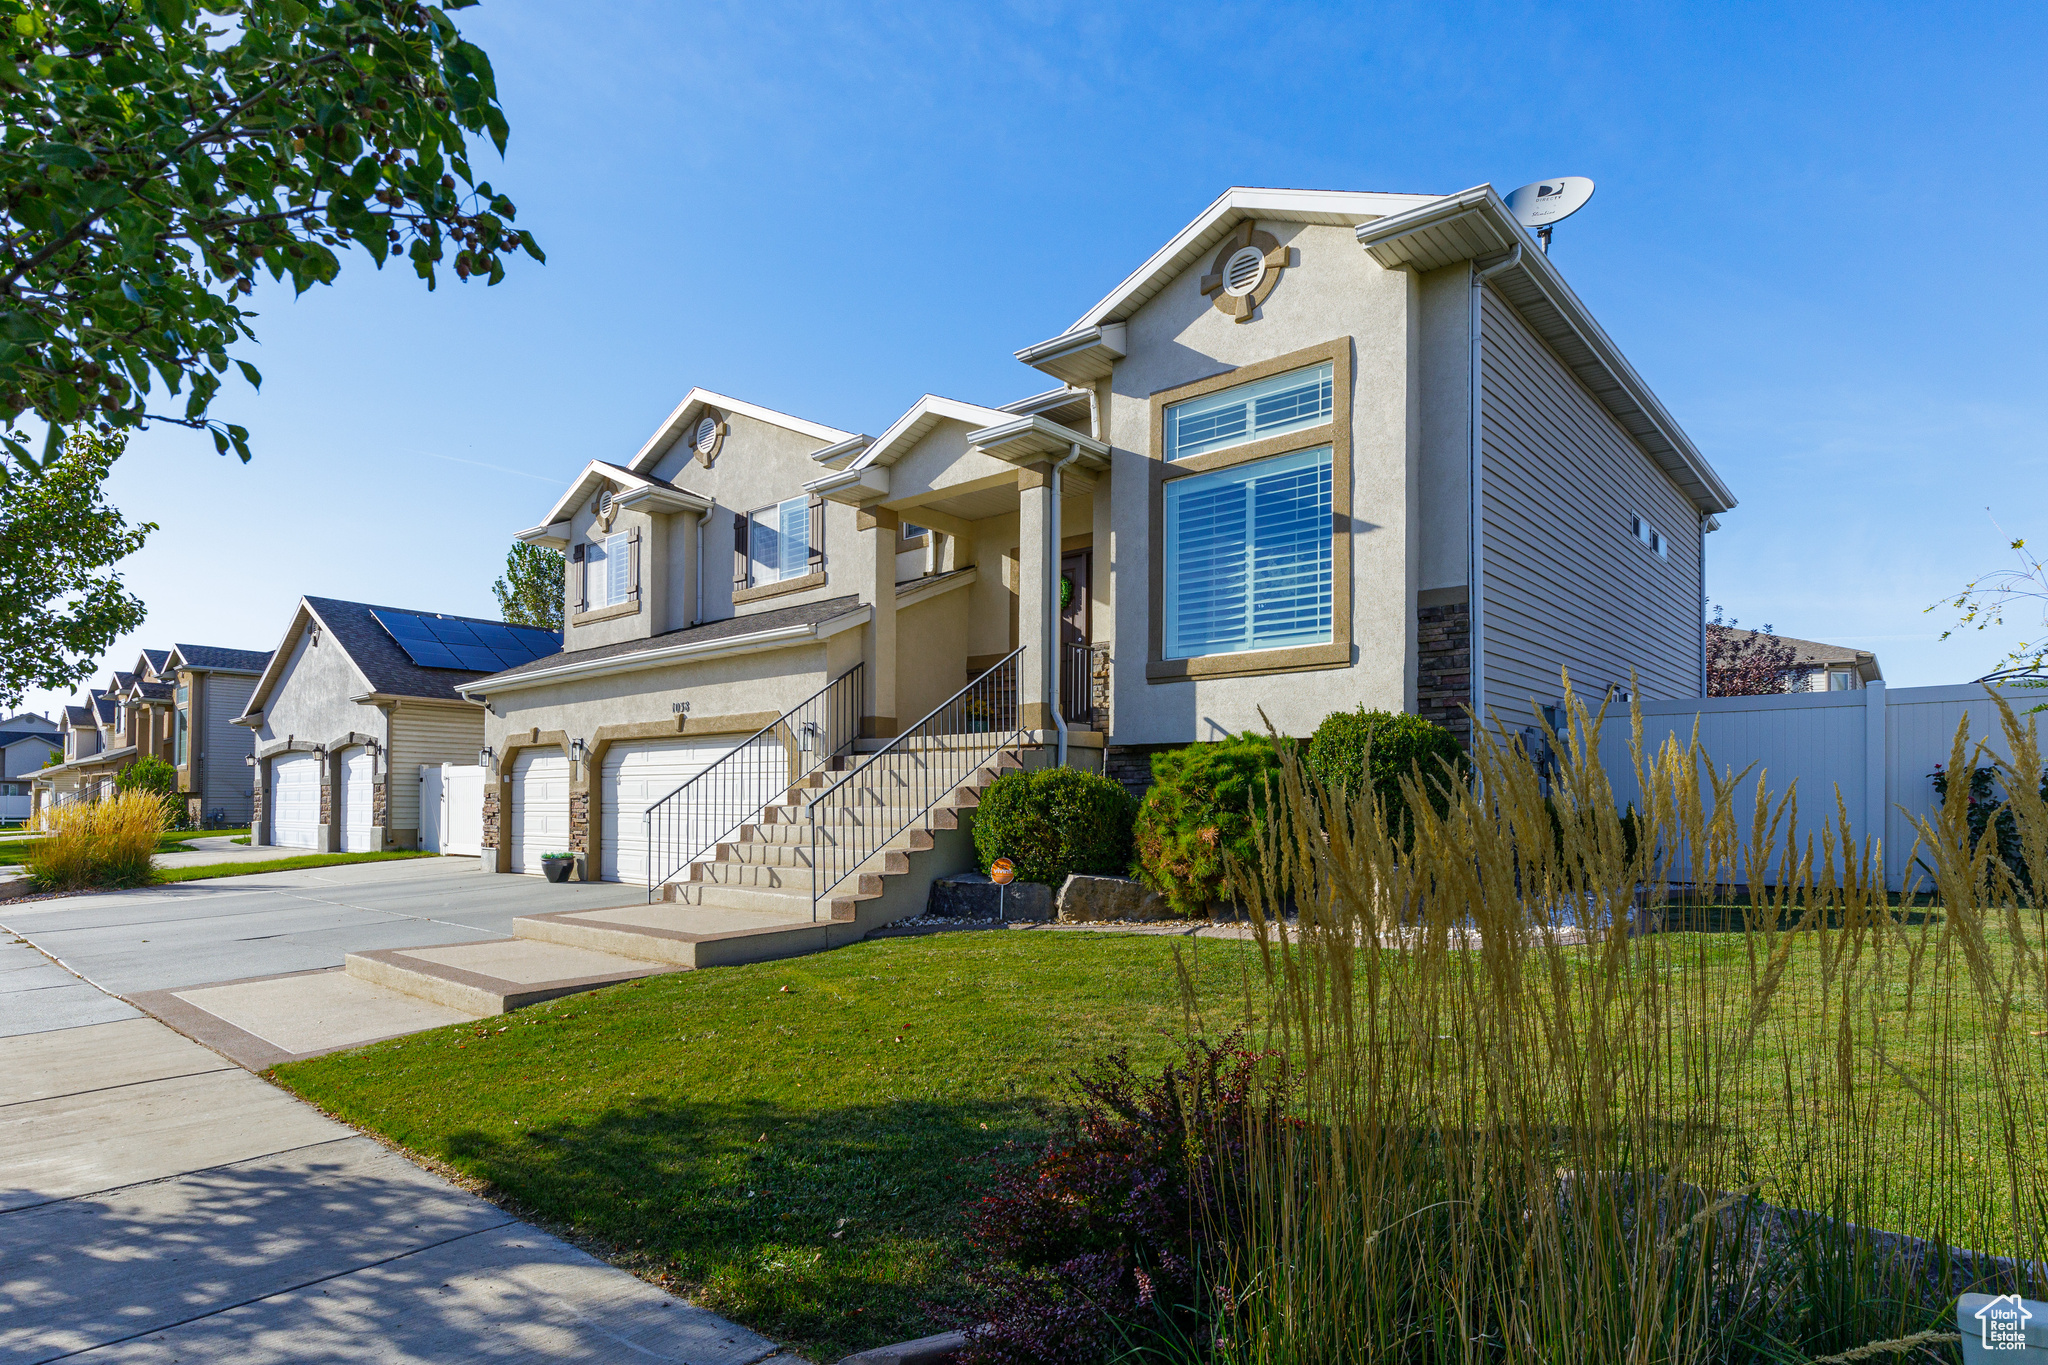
<point>879,524</point>
<point>1037,592</point>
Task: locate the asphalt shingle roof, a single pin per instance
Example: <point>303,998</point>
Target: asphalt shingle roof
<point>1814,652</point>
<point>8,737</point>
<point>212,656</point>
<point>808,614</point>
<point>388,667</point>
<point>158,658</point>
<point>107,708</point>
<point>157,691</point>
<point>78,715</point>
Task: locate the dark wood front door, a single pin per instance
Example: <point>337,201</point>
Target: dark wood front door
<point>1074,621</point>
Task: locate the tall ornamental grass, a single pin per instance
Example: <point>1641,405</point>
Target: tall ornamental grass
<point>99,843</point>
<point>1541,1115</point>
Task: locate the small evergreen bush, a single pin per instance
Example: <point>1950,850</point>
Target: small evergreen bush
<point>1206,802</point>
<point>154,775</point>
<point>1054,822</point>
<point>1379,748</point>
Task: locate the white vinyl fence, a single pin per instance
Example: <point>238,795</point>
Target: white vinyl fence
<point>452,808</point>
<point>1878,747</point>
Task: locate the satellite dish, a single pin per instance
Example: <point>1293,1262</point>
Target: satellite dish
<point>1547,202</point>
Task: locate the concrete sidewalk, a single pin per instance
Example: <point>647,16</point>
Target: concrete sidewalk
<point>159,1204</point>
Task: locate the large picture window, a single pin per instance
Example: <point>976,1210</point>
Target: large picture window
<point>1248,557</point>
<point>779,542</point>
<point>1251,412</point>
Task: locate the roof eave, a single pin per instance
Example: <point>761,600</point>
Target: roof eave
<point>1029,439</point>
<point>780,638</point>
<point>1080,356</point>
<point>1475,224</point>
<point>852,487</point>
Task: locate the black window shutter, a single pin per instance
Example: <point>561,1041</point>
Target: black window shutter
<point>581,574</point>
<point>739,550</point>
<point>816,562</point>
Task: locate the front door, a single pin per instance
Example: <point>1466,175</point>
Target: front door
<point>1075,684</point>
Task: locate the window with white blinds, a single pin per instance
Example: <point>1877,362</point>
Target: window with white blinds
<point>607,564</point>
<point>1248,557</point>
<point>779,542</point>
<point>1250,412</point>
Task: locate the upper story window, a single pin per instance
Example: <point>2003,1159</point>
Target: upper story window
<point>1248,557</point>
<point>778,542</point>
<point>606,565</point>
<point>1250,412</point>
<point>178,731</point>
<point>1652,538</point>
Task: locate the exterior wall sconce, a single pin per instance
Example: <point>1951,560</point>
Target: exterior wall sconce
<point>576,749</point>
<point>807,737</point>
<point>484,757</point>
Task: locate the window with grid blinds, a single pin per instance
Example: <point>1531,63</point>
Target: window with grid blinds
<point>606,567</point>
<point>1248,557</point>
<point>779,542</point>
<point>1250,412</point>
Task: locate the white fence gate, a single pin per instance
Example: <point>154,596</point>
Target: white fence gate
<point>452,809</point>
<point>1877,746</point>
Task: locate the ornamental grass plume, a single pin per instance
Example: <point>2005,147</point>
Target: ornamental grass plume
<point>100,843</point>
<point>1537,1115</point>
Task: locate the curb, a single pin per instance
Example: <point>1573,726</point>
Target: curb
<point>936,1350</point>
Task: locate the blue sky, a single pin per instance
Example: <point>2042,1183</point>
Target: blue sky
<point>1811,237</point>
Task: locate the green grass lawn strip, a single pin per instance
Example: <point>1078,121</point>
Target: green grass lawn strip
<point>797,1159</point>
<point>165,875</point>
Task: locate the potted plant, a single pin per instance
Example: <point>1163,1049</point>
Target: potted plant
<point>558,866</point>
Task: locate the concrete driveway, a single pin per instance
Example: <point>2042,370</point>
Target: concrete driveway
<point>160,1204</point>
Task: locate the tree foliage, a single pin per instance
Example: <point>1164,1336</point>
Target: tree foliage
<point>61,602</point>
<point>1984,602</point>
<point>158,154</point>
<point>1747,663</point>
<point>530,593</point>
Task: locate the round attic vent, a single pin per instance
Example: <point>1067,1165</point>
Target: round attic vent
<point>707,435</point>
<point>604,502</point>
<point>1243,271</point>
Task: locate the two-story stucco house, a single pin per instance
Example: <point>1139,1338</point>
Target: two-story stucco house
<point>1323,449</point>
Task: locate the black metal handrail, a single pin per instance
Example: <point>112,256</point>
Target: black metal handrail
<point>698,816</point>
<point>894,787</point>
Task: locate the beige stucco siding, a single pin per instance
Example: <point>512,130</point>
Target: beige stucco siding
<point>1333,290</point>
<point>931,649</point>
<point>1443,482</point>
<point>310,698</point>
<point>1566,583</point>
<point>426,734</point>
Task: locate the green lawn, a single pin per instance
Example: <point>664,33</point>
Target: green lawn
<point>204,871</point>
<point>795,1158</point>
<point>173,841</point>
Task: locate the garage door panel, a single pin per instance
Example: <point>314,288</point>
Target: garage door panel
<point>359,832</point>
<point>295,801</point>
<point>540,807</point>
<point>636,776</point>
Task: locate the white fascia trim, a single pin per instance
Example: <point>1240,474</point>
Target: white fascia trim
<point>971,576</point>
<point>1250,201</point>
<point>851,487</point>
<point>631,482</point>
<point>931,405</point>
<point>1537,266</point>
<point>664,500</point>
<point>852,445</point>
<point>665,435</point>
<point>1045,427</point>
<point>1110,336</point>
<point>554,535</point>
<point>1049,400</point>
<point>783,638</point>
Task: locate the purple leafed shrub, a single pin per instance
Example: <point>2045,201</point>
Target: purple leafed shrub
<point>1102,1243</point>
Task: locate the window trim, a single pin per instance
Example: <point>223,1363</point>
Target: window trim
<point>814,575</point>
<point>1336,434</point>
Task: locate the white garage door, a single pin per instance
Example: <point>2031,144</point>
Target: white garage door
<point>540,807</point>
<point>359,833</point>
<point>636,776</point>
<point>295,801</point>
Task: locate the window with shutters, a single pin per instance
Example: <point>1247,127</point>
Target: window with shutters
<point>779,542</point>
<point>607,572</point>
<point>1248,557</point>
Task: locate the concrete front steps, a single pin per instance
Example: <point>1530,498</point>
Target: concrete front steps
<point>752,902</point>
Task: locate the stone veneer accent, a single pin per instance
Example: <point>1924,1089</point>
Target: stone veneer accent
<point>326,796</point>
<point>380,809</point>
<point>256,810</point>
<point>490,814</point>
<point>1443,667</point>
<point>579,822</point>
<point>1131,764</point>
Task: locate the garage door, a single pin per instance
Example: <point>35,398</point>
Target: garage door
<point>540,807</point>
<point>359,833</point>
<point>636,776</point>
<point>295,801</point>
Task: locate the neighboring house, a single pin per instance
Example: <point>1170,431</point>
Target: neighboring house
<point>356,699</point>
<point>26,743</point>
<point>1323,449</point>
<point>1826,668</point>
<point>176,705</point>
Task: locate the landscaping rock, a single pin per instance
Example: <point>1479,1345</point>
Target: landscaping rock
<point>971,895</point>
<point>1093,899</point>
<point>938,1350</point>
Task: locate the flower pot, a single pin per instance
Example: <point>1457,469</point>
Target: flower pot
<point>558,869</point>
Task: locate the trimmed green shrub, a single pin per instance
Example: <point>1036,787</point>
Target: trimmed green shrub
<point>1380,748</point>
<point>1206,802</point>
<point>158,778</point>
<point>1054,822</point>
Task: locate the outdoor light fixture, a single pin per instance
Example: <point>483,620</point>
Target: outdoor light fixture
<point>576,749</point>
<point>807,737</point>
<point>484,756</point>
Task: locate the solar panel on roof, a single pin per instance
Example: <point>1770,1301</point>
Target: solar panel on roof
<point>473,646</point>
